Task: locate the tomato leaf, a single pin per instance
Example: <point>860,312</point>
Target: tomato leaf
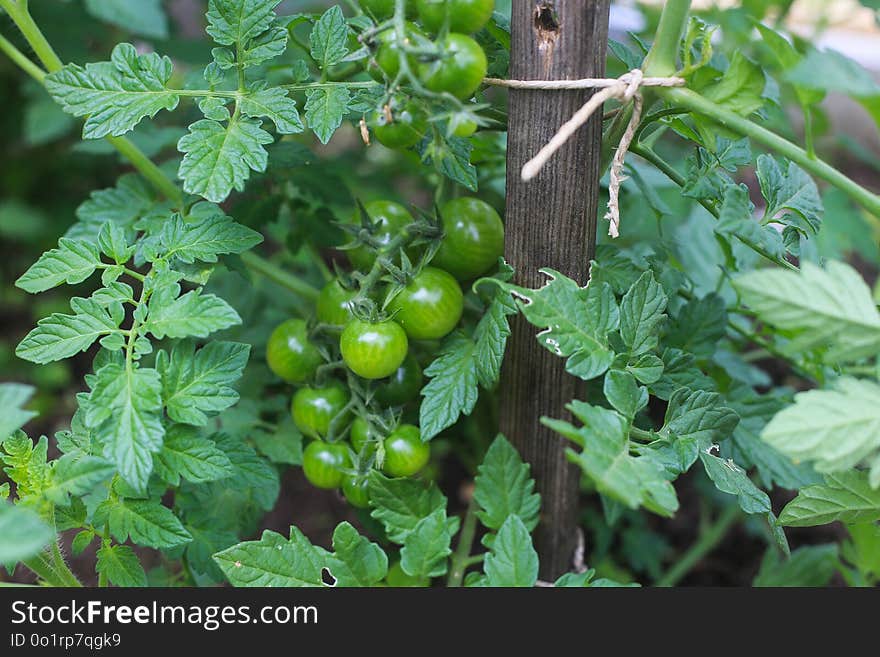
<point>120,565</point>
<point>427,547</point>
<point>273,561</point>
<point>356,561</point>
<point>512,560</point>
<point>845,496</point>
<point>503,487</point>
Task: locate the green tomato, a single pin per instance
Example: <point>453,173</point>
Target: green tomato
<point>405,453</point>
<point>460,69</point>
<point>356,490</point>
<point>290,354</point>
<point>397,578</point>
<point>386,60</point>
<point>389,219</point>
<point>465,128</point>
<point>314,408</point>
<point>402,386</point>
<point>334,304</point>
<point>323,463</point>
<point>473,238</point>
<point>361,434</point>
<point>373,350</point>
<point>429,306</point>
<point>406,128</point>
<point>465,16</point>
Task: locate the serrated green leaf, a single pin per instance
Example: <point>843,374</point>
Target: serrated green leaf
<point>356,561</point>
<point>812,565</point>
<point>729,478</point>
<point>143,17</point>
<point>452,389</point>
<point>13,396</point>
<point>197,385</point>
<point>217,159</point>
<point>233,22</point>
<point>452,158</point>
<point>699,326</point>
<point>191,314</point>
<point>269,45</point>
<point>113,243</point>
<point>81,541</point>
<point>623,393</point>
<point>632,480</point>
<point>76,475</point>
<point>72,262</point>
<point>641,312</point>
<point>253,478</point>
<point>504,487</point>
<point>274,104</point>
<point>188,455</point>
<point>325,107</point>
<point>512,561</point>
<point>735,219</point>
<point>273,561</point>
<point>22,533</point>
<point>789,190</point>
<point>837,428</point>
<point>114,95</point>
<point>206,239</point>
<point>61,336</point>
<point>427,547</point>
<point>122,205</point>
<point>124,409</point>
<point>830,309</point>
<point>329,38</point>
<point>845,496</point>
<point>399,504</point>
<point>490,339</point>
<point>576,321</point>
<point>120,565</point>
<point>144,522</point>
<point>695,419</point>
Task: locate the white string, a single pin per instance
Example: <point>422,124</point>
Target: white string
<point>625,89</point>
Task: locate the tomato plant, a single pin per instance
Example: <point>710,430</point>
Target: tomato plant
<point>294,280</point>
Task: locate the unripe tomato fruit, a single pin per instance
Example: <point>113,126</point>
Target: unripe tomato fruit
<point>406,128</point>
<point>399,579</point>
<point>405,453</point>
<point>334,304</point>
<point>460,69</point>
<point>465,16</point>
<point>473,238</point>
<point>465,128</point>
<point>323,463</point>
<point>389,219</point>
<point>402,386</point>
<point>356,490</point>
<point>314,409</point>
<point>360,434</point>
<point>290,354</point>
<point>386,59</point>
<point>429,306</point>
<point>373,350</point>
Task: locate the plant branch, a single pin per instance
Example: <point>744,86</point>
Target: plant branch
<point>21,60</point>
<point>669,171</point>
<point>663,56</point>
<point>462,554</point>
<point>274,273</point>
<point>708,540</point>
<point>711,110</point>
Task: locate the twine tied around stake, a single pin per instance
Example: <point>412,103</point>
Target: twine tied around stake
<point>625,89</point>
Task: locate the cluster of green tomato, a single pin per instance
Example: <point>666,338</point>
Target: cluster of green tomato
<point>453,63</point>
<point>376,347</point>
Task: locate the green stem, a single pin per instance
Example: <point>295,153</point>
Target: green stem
<point>697,103</point>
<point>669,171</point>
<point>279,276</point>
<point>51,568</point>
<point>148,169</point>
<point>707,541</point>
<point>663,57</point>
<point>463,549</point>
<point>20,59</point>
<point>18,12</point>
